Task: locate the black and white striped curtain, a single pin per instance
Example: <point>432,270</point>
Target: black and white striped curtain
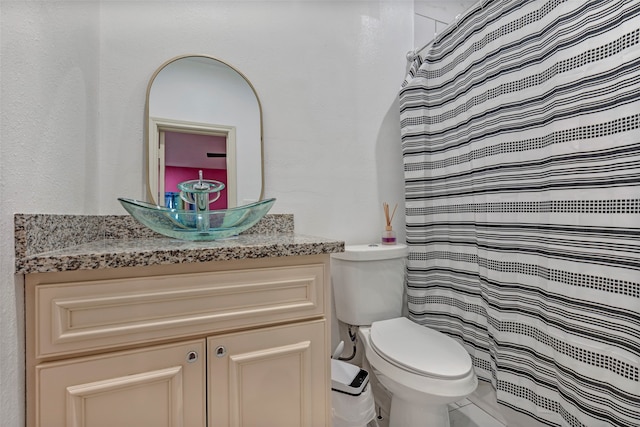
<point>521,145</point>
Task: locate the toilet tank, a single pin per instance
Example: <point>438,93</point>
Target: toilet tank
<point>368,282</point>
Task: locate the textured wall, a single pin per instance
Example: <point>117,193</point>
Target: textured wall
<point>327,75</point>
<point>49,123</point>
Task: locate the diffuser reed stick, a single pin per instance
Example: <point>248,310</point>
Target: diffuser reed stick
<point>388,236</point>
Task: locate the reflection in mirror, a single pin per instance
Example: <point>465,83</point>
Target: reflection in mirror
<point>203,114</point>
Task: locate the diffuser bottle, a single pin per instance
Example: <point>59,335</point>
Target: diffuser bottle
<point>388,235</point>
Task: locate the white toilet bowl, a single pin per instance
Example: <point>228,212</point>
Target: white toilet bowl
<point>424,370</point>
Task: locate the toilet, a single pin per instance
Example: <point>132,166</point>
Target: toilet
<point>424,369</point>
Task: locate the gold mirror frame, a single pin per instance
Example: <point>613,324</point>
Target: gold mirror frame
<point>152,152</point>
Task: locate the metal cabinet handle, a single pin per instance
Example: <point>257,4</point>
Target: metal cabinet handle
<point>220,351</point>
<point>192,356</point>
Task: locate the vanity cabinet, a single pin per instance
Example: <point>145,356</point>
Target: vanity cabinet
<point>158,386</point>
<point>266,377</point>
<point>225,343</point>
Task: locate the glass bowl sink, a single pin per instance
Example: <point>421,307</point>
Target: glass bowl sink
<point>190,225</point>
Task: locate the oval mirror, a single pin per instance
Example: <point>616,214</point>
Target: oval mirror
<point>203,115</point>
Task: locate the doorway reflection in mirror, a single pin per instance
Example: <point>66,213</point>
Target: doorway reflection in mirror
<point>199,98</point>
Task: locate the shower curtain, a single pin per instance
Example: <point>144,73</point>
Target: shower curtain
<point>521,146</point>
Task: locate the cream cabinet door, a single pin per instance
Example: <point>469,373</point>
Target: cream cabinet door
<point>272,377</point>
<point>152,387</point>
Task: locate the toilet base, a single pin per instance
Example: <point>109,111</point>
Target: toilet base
<point>404,414</point>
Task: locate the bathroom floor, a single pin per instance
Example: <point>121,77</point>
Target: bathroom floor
<point>466,414</point>
<point>461,414</point>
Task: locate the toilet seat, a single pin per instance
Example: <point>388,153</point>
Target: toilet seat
<point>419,350</point>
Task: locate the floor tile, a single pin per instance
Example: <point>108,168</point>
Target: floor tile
<point>463,402</point>
<point>472,416</point>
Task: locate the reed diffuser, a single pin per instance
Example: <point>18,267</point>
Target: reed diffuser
<point>388,235</point>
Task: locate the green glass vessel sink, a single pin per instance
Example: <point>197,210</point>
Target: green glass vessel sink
<point>192,225</point>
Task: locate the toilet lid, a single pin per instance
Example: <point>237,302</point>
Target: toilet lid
<point>419,349</point>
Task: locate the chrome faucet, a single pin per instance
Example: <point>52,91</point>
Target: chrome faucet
<point>197,192</point>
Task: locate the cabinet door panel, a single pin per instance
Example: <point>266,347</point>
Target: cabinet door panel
<point>271,377</point>
<point>155,387</point>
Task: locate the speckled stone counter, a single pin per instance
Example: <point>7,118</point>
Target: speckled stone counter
<point>51,243</point>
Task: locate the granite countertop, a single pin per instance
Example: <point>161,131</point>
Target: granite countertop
<point>52,243</point>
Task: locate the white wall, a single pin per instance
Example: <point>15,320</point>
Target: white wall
<point>327,75</point>
<point>73,77</point>
<point>49,73</point>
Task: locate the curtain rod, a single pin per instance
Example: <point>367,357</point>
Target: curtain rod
<point>412,54</point>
